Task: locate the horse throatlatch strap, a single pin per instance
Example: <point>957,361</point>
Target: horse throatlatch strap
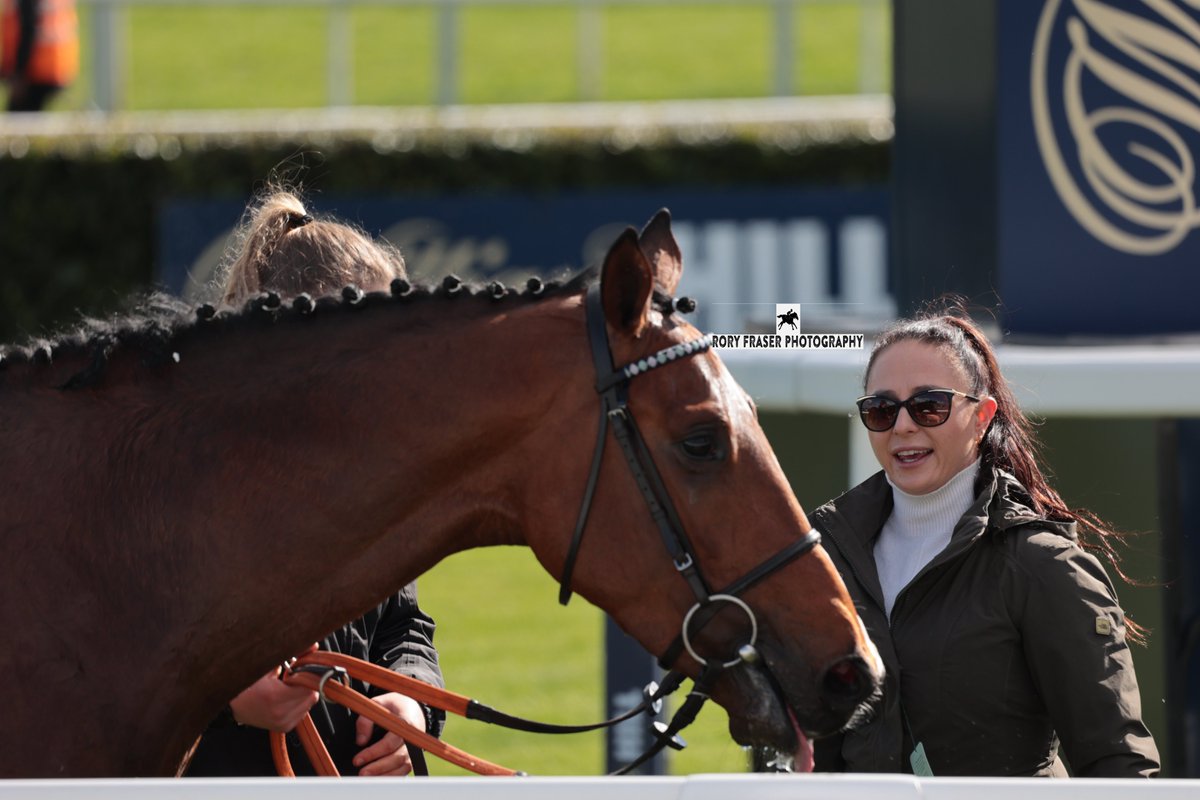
<point>598,342</point>
<point>564,587</point>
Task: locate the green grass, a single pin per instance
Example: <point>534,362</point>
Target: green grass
<point>394,48</point>
<point>504,640</point>
<point>233,56</point>
<point>687,51</point>
<point>211,57</point>
<point>517,54</point>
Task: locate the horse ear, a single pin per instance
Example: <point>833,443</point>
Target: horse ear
<point>626,283</point>
<point>661,249</point>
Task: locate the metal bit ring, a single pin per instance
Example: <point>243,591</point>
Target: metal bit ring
<point>728,598</point>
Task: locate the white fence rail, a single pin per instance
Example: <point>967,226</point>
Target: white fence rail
<point>695,787</point>
<point>1129,380</point>
<point>110,35</point>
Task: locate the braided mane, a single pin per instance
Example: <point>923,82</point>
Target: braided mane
<point>153,325</point>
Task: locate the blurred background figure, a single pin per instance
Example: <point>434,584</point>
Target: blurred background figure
<point>39,50</point>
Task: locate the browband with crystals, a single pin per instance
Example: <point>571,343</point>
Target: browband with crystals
<point>667,354</point>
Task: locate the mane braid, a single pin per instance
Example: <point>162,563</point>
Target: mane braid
<point>155,323</point>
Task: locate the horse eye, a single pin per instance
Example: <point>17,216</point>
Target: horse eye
<point>701,446</point>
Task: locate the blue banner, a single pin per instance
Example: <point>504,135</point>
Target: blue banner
<point>1098,103</point>
<point>745,249</point>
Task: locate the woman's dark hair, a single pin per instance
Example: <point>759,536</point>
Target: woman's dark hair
<point>1009,442</point>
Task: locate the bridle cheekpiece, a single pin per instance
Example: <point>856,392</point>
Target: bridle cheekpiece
<point>613,387</point>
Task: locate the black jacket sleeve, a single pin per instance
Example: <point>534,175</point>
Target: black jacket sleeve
<point>403,642</point>
<point>1081,662</point>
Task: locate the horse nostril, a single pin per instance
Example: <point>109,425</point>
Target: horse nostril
<point>846,680</point>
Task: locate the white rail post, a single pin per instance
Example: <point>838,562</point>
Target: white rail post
<point>446,80</point>
<point>339,60</point>
<point>589,49</point>
<point>108,55</point>
<point>872,38</point>
<point>785,50</point>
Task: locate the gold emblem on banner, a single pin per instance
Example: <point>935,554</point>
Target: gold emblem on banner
<point>1136,192</point>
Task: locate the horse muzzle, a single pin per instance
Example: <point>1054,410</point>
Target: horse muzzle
<point>777,708</point>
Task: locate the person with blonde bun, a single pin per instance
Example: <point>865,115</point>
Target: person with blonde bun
<point>284,249</point>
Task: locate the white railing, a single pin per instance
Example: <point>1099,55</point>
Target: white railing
<point>110,34</point>
<point>1157,380</point>
<point>696,787</point>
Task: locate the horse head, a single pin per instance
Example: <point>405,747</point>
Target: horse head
<point>431,424</point>
<point>698,547</point>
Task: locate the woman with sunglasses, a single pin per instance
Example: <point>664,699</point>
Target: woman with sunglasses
<point>999,629</point>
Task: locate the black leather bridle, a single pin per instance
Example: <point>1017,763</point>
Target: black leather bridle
<point>612,384</point>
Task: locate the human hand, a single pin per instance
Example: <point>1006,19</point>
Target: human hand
<point>272,704</point>
<point>389,756</point>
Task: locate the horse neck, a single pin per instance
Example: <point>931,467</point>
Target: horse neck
<point>375,449</point>
<point>277,483</point>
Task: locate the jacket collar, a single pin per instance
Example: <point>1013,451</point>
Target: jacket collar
<point>1012,507</point>
<point>853,521</point>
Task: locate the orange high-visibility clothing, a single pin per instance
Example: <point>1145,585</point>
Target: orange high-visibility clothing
<point>54,60</point>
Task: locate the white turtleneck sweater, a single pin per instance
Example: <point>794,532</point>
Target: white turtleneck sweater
<point>918,529</point>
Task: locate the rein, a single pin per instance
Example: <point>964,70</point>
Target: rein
<point>301,673</point>
<point>317,670</point>
<point>612,385</point>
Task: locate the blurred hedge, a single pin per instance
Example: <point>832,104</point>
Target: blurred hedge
<point>78,214</point>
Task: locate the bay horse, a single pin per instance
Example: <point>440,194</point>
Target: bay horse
<point>188,499</point>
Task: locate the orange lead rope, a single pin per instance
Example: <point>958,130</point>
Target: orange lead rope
<point>314,748</point>
<point>279,754</point>
<point>364,706</point>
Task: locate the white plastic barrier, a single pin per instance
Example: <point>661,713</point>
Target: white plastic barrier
<point>1124,380</point>
<point>695,787</point>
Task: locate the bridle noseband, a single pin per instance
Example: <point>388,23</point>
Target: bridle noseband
<point>613,387</point>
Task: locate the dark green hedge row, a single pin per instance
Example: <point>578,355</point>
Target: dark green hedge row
<point>78,216</point>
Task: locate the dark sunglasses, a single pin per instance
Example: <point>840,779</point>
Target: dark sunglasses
<point>928,409</point>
